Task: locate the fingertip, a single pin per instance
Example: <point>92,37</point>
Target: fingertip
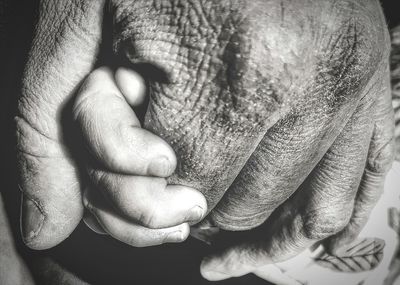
<point>32,220</point>
<point>99,79</point>
<point>178,235</point>
<point>92,223</point>
<point>86,198</point>
<point>232,262</point>
<point>46,221</point>
<point>112,131</point>
<point>213,275</point>
<point>208,270</point>
<point>194,201</point>
<point>185,229</point>
<point>162,166</point>
<point>146,154</point>
<point>131,85</point>
<point>199,211</point>
<point>40,231</point>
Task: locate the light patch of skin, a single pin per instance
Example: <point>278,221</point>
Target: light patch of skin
<point>144,210</point>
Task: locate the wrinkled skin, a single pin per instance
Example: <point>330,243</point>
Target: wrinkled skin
<point>395,81</point>
<point>265,111</point>
<point>250,83</point>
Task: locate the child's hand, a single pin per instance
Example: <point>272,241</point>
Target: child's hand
<point>129,195</point>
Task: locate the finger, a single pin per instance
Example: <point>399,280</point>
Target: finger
<point>92,223</point>
<point>275,275</point>
<point>112,131</point>
<point>128,232</point>
<point>283,159</point>
<point>212,127</point>
<point>61,55</point>
<point>270,273</point>
<point>131,85</point>
<point>292,148</point>
<point>149,201</point>
<point>380,158</point>
<point>321,208</point>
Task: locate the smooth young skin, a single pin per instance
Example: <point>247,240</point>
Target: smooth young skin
<point>240,77</point>
<point>144,203</point>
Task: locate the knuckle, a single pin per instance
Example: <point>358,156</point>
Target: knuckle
<point>322,223</point>
<point>34,140</point>
<point>237,260</point>
<point>242,260</point>
<point>380,160</point>
<point>99,177</point>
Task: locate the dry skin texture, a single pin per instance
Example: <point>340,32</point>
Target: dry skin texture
<point>395,69</point>
<point>237,73</point>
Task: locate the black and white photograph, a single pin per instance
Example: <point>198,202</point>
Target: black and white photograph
<point>199,142</point>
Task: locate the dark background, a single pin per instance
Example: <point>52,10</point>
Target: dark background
<point>96,259</point>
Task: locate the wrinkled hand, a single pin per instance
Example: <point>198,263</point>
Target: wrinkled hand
<point>304,133</point>
<point>395,82</point>
<point>333,204</point>
<point>64,50</point>
<point>335,201</point>
<point>242,105</point>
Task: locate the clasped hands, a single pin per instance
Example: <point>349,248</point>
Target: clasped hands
<point>317,161</point>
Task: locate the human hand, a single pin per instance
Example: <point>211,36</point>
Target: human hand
<point>63,53</point>
<point>129,196</point>
<point>277,102</point>
<point>270,113</point>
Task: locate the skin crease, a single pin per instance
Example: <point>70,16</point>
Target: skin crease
<point>212,118</point>
<point>51,173</point>
<point>46,168</point>
<point>279,96</point>
<point>348,71</point>
<point>395,67</point>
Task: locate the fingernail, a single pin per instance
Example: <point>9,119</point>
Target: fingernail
<point>160,167</point>
<point>85,200</point>
<point>177,236</point>
<point>32,219</point>
<point>195,215</point>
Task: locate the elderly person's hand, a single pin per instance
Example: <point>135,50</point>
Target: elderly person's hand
<point>64,50</point>
<point>332,145</point>
<point>286,104</point>
<point>253,96</point>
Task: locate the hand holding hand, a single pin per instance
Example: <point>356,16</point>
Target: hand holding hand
<point>128,194</point>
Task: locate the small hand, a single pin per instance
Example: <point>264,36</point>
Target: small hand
<point>129,195</point>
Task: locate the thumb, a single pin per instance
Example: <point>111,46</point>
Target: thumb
<point>63,52</point>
